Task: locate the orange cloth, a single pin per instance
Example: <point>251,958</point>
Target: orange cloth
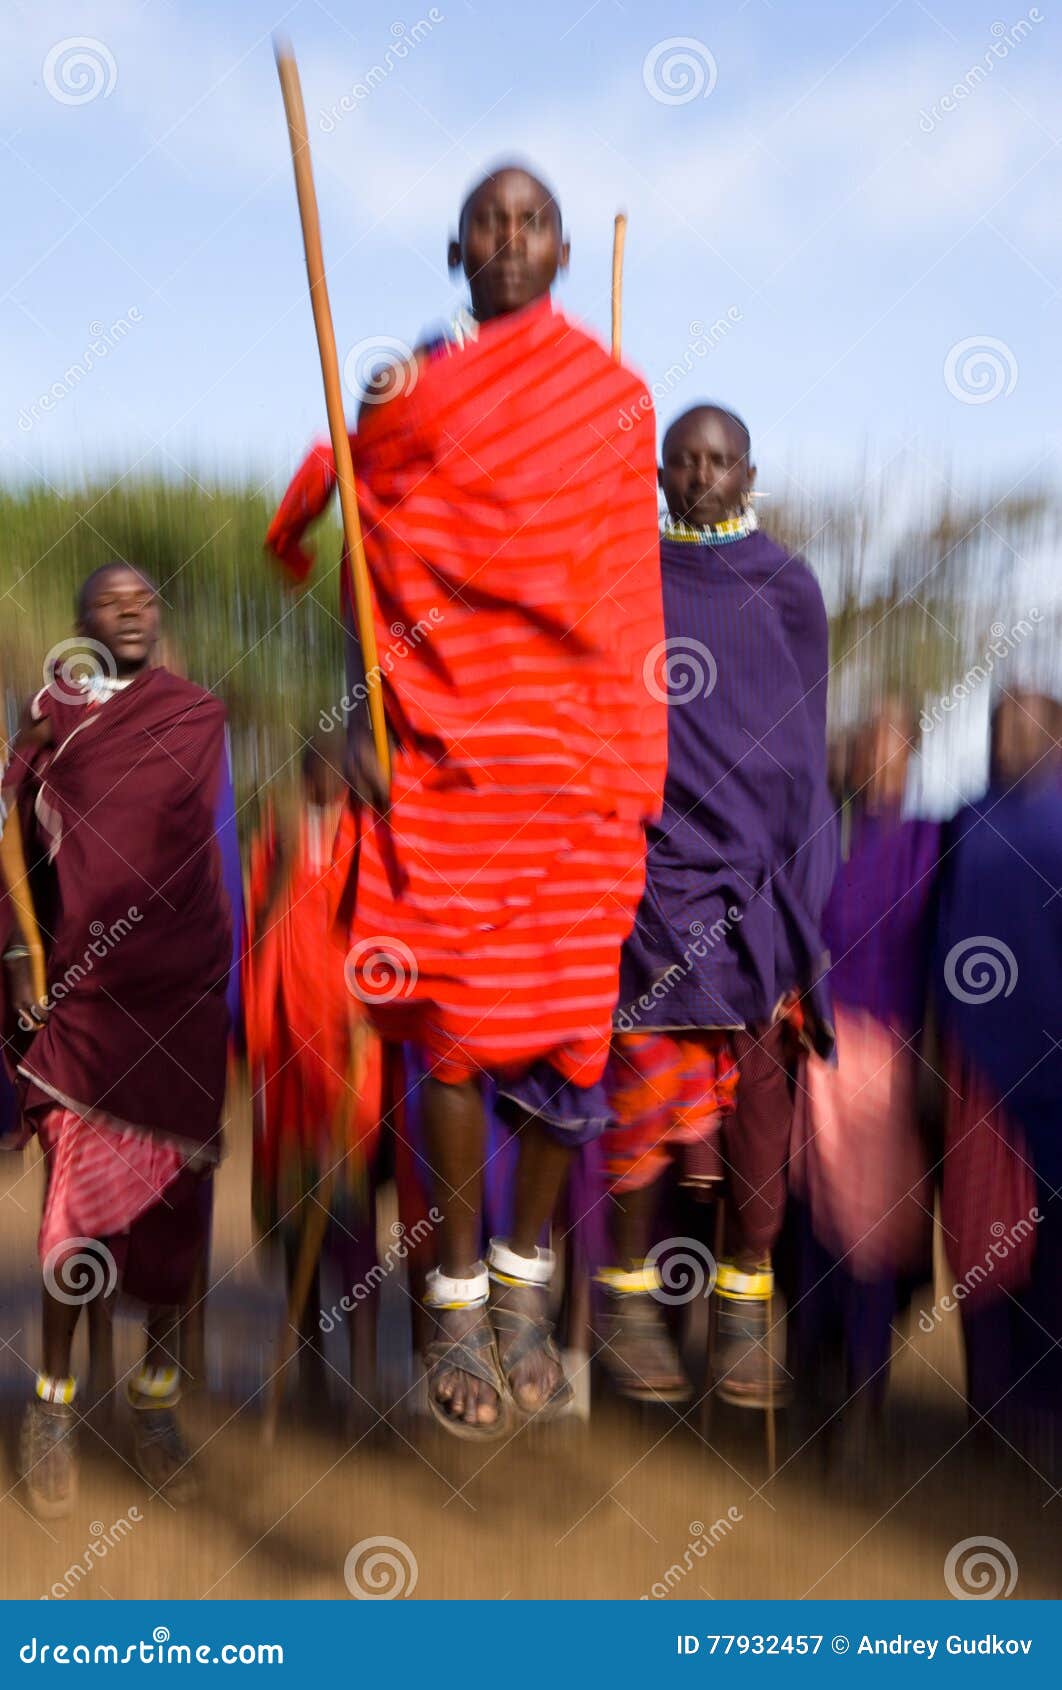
<point>299,1020</point>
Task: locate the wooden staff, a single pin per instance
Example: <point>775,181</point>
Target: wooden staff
<point>619,237</point>
<point>13,864</point>
<point>288,71</point>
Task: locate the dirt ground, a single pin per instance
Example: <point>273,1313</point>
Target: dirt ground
<point>632,1500</point>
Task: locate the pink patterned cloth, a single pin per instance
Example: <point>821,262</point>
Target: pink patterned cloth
<point>101,1178</point>
<point>858,1156</point>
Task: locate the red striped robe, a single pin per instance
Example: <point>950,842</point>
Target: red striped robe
<point>509,507</point>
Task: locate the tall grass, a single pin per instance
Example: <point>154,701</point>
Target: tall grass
<point>912,587</point>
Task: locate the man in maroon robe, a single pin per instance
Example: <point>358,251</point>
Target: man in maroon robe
<point>123,1065</point>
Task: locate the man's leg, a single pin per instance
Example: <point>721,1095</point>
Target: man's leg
<point>47,1453</point>
<point>162,1456</point>
<point>536,1374</point>
<point>637,1349</point>
<point>455,1130</point>
<point>756,1148</point>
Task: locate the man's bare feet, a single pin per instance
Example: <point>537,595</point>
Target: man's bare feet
<point>528,1355</point>
<point>465,1387</point>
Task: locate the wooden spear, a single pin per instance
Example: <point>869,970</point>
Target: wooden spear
<point>288,71</point>
<point>619,237</point>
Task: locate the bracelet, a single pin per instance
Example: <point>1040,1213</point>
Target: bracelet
<point>15,953</point>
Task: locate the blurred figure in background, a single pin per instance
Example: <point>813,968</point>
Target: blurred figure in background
<point>726,951</point>
<point>999,1002</point>
<point>861,1219</point>
<point>316,1120</point>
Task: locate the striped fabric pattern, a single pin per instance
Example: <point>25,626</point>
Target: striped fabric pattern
<point>509,508</point>
<point>100,1179</point>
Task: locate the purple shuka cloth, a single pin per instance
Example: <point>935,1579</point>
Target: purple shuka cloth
<point>877,920</point>
<point>742,859</point>
<point>1001,902</point>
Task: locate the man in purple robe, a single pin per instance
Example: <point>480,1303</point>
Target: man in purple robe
<point>725,960</point>
<point>998,980</point>
<point>123,1072</point>
<point>859,1231</point>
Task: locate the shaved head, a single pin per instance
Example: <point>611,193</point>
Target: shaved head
<point>493,178</point>
<point>705,473</point>
<point>510,241</point>
<point>698,414</point>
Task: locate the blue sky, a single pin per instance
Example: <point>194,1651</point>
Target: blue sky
<point>804,181</point>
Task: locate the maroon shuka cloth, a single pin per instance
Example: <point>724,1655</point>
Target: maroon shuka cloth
<point>139,964</point>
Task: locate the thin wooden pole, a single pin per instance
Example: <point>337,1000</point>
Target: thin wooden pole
<point>291,89</point>
<point>619,237</point>
<point>13,863</point>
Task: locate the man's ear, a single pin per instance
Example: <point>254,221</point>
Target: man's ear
<point>752,477</point>
<point>565,257</point>
<point>453,255</point>
<point>660,477</point>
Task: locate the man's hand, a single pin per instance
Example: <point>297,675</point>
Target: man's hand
<point>30,1013</point>
<point>366,776</point>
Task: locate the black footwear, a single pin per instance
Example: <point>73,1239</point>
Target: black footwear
<point>47,1458</point>
<point>161,1454</point>
<point>637,1350</point>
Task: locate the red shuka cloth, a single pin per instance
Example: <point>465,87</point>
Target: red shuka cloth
<point>299,1017</point>
<point>508,501</point>
<point>138,967</point>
